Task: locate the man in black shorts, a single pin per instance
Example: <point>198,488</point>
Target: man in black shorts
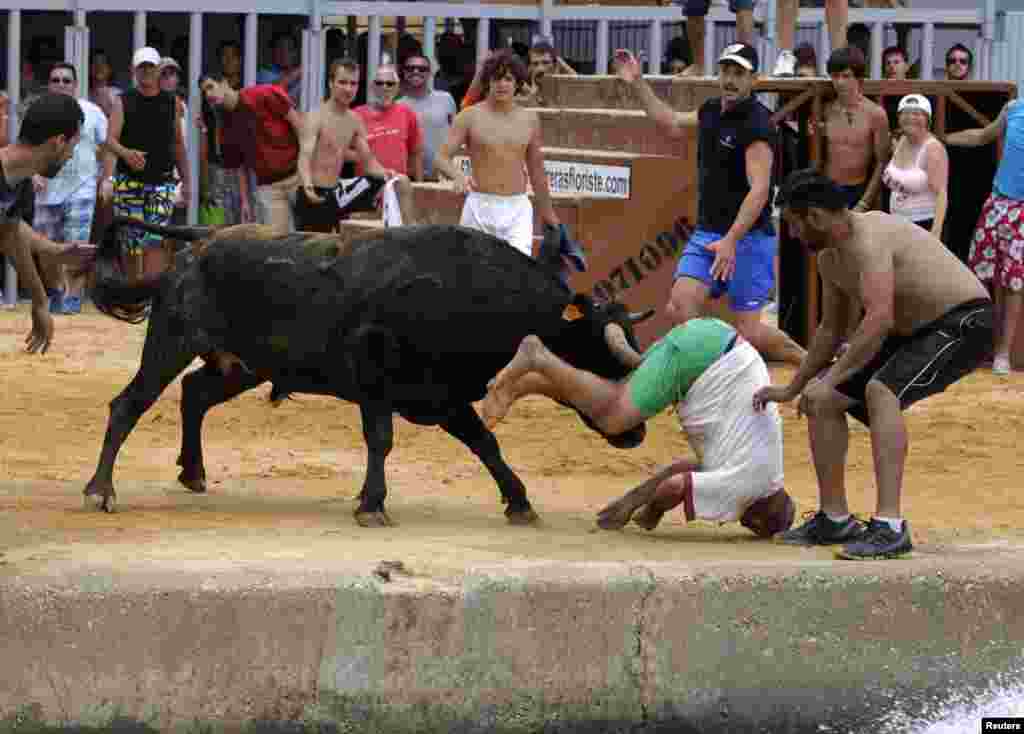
<point>348,196</point>
<point>927,323</point>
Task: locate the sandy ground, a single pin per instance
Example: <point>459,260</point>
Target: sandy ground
<point>282,480</point>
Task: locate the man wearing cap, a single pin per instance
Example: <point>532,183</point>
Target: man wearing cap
<point>732,250</point>
<point>147,135</point>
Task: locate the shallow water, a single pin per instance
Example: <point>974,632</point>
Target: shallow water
<point>963,714</point>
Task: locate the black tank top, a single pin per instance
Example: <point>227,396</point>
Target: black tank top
<point>149,126</point>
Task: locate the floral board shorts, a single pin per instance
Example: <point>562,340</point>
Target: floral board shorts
<point>151,203</point>
<point>997,250</point>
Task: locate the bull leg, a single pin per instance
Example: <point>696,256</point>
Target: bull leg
<point>163,359</point>
<point>378,431</point>
<point>201,390</point>
<point>465,425</point>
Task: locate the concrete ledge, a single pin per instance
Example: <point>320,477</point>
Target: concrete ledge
<point>778,647</point>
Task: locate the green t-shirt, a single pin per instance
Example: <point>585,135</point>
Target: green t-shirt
<point>673,363</point>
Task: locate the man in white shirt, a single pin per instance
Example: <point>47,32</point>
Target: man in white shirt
<point>434,109</point>
<point>66,203</point>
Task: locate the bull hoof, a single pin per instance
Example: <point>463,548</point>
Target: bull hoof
<point>373,519</point>
<point>99,496</point>
<point>197,484</point>
<point>522,517</point>
<point>100,502</point>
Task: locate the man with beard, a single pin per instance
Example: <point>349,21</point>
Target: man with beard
<point>733,248</point>
<point>927,323</point>
<point>434,108</point>
<point>47,139</point>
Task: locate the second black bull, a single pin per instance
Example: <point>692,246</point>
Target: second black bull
<point>413,321</point>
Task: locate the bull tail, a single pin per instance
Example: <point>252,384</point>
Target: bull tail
<point>113,292</point>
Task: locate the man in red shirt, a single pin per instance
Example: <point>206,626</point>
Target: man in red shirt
<point>392,129</point>
<point>261,132</point>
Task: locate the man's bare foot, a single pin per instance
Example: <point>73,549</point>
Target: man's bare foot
<point>500,390</point>
<point>670,494</point>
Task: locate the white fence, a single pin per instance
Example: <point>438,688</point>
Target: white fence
<point>599,30</point>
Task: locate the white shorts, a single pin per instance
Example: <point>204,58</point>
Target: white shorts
<point>739,449</point>
<point>508,217</point>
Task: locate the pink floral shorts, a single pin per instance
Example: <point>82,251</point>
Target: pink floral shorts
<point>997,250</point>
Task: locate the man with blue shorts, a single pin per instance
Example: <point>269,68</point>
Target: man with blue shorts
<point>732,250</point>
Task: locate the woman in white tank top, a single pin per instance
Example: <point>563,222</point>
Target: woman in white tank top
<point>918,173</point>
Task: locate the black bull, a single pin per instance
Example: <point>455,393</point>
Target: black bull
<point>413,320</point>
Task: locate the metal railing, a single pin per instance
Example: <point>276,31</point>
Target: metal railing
<point>544,14</point>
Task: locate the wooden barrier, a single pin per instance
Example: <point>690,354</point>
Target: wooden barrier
<point>620,131</point>
<point>632,244</point>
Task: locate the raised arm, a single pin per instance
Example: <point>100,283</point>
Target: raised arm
<point>983,135</point>
<point>673,122</point>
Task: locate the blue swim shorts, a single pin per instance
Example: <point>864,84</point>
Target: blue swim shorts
<point>751,284</point>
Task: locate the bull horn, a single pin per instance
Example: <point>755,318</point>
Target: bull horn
<point>615,337</point>
<point>636,318</point>
<point>188,234</point>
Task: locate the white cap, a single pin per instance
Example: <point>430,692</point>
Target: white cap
<point>146,55</point>
<point>915,102</point>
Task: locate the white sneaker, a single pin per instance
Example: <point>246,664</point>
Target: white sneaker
<point>785,65</point>
<point>1001,365</point>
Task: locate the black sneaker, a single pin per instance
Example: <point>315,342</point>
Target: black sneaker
<point>820,530</point>
<point>878,541</point>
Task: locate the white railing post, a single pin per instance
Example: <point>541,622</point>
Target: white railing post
<point>250,61</point>
<point>14,98</point>
<point>430,38</point>
<point>710,38</point>
<point>544,22</point>
<point>138,34</point>
<point>655,48</point>
<point>928,52</point>
<point>767,49</point>
<point>877,38</point>
<point>824,48</point>
<point>483,37</point>
<point>601,50</point>
<point>988,34</point>
<point>76,51</point>
<point>372,53</point>
<point>195,59</point>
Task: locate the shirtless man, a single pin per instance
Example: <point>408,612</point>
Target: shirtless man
<point>329,131</point>
<point>500,136</point>
<point>857,144</point>
<point>928,322</point>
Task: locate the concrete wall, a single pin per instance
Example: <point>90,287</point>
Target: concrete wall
<point>780,647</point>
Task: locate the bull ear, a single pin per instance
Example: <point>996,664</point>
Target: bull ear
<point>641,316</point>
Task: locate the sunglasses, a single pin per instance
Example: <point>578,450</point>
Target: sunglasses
<point>420,69</point>
<point>957,60</point>
<point>380,83</point>
<point>61,80</point>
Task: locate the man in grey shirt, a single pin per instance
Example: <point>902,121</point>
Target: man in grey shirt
<point>434,109</point>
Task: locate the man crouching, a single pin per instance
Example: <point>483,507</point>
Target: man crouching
<point>711,374</point>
